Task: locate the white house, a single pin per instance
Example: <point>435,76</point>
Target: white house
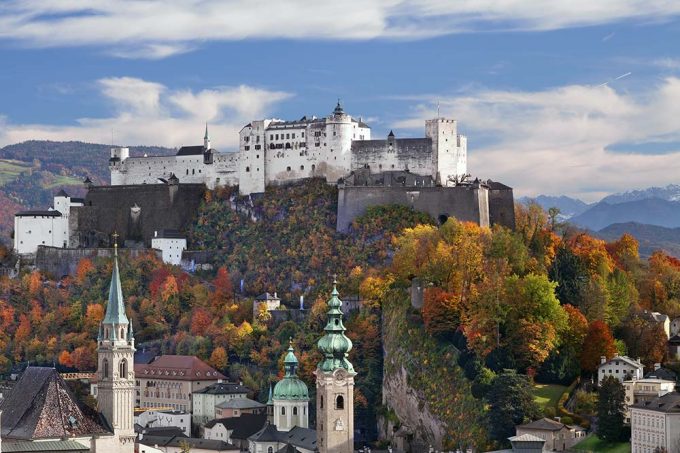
<point>48,227</point>
<point>645,389</point>
<point>169,418</point>
<point>656,423</point>
<point>658,318</point>
<point>206,399</point>
<point>171,243</point>
<point>271,302</point>
<point>621,367</point>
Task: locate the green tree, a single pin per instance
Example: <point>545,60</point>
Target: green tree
<point>610,407</point>
<point>510,403</point>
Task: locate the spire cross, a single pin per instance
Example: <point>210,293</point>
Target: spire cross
<point>115,242</point>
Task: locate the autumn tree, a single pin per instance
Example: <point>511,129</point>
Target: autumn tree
<point>441,312</point>
<point>218,358</point>
<point>598,342</point>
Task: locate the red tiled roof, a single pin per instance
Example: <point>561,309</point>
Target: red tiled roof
<point>178,367</point>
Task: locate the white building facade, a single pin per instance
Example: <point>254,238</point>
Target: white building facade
<point>621,367</point>
<point>656,424</point>
<point>171,244</point>
<point>49,227</point>
<point>164,419</point>
<point>207,398</point>
<point>273,151</point>
<point>645,389</point>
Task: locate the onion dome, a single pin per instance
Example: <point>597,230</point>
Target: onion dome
<point>335,345</point>
<point>291,388</point>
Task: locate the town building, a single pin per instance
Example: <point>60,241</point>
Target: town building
<point>235,430</point>
<point>645,389</point>
<point>207,398</point>
<point>658,318</point>
<point>180,444</point>
<point>165,419</point>
<point>171,243</point>
<point>238,406</point>
<point>170,381</point>
<point>557,435</point>
<point>270,302</point>
<point>273,151</point>
<point>526,443</point>
<point>656,424</point>
<point>48,227</point>
<point>621,367</point>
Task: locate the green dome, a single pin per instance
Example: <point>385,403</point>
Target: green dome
<point>291,387</point>
<point>335,345</point>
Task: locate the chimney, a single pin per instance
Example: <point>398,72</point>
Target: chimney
<point>275,296</point>
<point>155,234</point>
<point>603,359</point>
<point>302,302</point>
<point>657,366</point>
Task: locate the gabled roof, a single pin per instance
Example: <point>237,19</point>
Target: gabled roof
<point>300,437</point>
<point>164,431</point>
<point>240,403</point>
<point>668,403</point>
<point>178,368</point>
<point>41,406</point>
<point>193,442</point>
<point>242,427</point>
<point>191,150</point>
<point>545,424</point>
<point>288,449</point>
<point>623,358</point>
<point>526,438</point>
<point>662,373</point>
<point>267,434</point>
<point>61,193</point>
<point>224,388</point>
<point>50,446</point>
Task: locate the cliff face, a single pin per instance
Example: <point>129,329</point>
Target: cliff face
<point>425,393</point>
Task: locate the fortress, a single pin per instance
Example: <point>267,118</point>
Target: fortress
<point>272,151</point>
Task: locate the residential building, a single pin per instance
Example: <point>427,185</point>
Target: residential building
<point>180,444</point>
<point>656,424</point>
<point>171,243</point>
<point>235,430</point>
<point>645,389</point>
<point>44,227</point>
<point>658,318</point>
<point>238,406</point>
<point>171,380</point>
<point>165,418</point>
<point>269,301</point>
<point>206,399</point>
<point>557,435</point>
<point>621,367</point>
<point>526,443</point>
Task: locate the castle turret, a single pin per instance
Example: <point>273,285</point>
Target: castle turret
<point>118,157</point>
<point>339,133</point>
<point>115,373</point>
<point>335,385</point>
<point>449,151</point>
<point>291,397</point>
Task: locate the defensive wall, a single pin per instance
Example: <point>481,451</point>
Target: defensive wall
<point>58,261</point>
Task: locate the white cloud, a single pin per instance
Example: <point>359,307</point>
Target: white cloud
<point>157,29</point>
<point>148,113</point>
<point>564,140</point>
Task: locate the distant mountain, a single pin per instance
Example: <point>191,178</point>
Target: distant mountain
<point>652,211</point>
<point>568,206</point>
<point>650,237</point>
<point>669,193</point>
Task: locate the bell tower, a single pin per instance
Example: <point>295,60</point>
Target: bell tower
<point>335,385</point>
<point>115,370</point>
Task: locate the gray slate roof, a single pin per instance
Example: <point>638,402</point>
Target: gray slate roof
<point>50,446</point>
<point>224,388</point>
<point>304,438</point>
<point>41,406</point>
<point>193,442</point>
<point>242,427</point>
<point>240,403</point>
<point>668,403</point>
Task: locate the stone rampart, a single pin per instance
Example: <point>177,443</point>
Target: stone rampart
<point>57,261</point>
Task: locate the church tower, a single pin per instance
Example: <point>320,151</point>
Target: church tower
<point>115,372</point>
<point>291,397</point>
<point>335,385</point>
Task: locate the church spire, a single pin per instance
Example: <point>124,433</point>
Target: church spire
<point>335,345</point>
<point>115,309</point>
<point>206,138</point>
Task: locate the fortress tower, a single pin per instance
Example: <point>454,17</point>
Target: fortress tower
<point>449,151</point>
<point>335,385</point>
<point>115,372</point>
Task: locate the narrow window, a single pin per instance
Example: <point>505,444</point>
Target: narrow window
<point>105,364</point>
<point>283,411</point>
<point>295,411</point>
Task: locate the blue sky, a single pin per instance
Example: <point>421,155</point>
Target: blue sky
<point>525,79</point>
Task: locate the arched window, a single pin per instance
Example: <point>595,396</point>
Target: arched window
<point>295,411</point>
<point>122,332</point>
<point>340,402</point>
<point>123,369</point>
<point>270,450</point>
<point>247,169</point>
<point>105,365</point>
<point>283,411</point>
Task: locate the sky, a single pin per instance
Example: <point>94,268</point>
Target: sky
<point>572,97</point>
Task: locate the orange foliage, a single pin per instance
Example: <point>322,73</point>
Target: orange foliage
<point>85,266</point>
<point>441,312</point>
<point>200,321</point>
<point>593,253</point>
<point>65,359</point>
<point>598,342</point>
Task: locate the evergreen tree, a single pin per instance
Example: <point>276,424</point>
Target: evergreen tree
<point>510,403</point>
<point>610,408</point>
